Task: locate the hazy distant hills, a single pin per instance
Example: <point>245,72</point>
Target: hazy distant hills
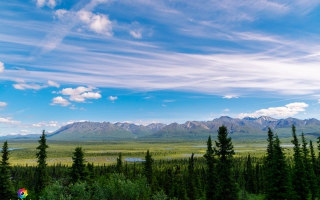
<point>246,127</point>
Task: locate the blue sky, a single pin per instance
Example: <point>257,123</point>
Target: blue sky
<point>156,61</point>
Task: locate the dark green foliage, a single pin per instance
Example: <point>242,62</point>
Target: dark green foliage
<point>299,175</point>
<point>78,170</point>
<point>227,188</point>
<point>42,178</point>
<point>311,177</point>
<point>148,172</point>
<point>177,188</point>
<point>249,176</point>
<point>6,188</point>
<point>211,174</point>
<point>191,182</point>
<point>119,164</point>
<point>278,181</point>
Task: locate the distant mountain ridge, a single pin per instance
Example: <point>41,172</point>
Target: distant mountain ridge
<point>190,129</point>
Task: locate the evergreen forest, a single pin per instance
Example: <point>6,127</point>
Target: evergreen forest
<point>217,175</point>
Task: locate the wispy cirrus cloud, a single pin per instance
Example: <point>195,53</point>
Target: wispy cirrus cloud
<point>9,120</point>
<point>49,3</point>
<point>288,110</point>
<point>69,19</point>
<point>1,67</point>
<point>22,85</point>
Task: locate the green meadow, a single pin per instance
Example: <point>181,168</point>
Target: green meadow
<point>106,152</point>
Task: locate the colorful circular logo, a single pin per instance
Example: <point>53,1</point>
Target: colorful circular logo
<point>22,193</point>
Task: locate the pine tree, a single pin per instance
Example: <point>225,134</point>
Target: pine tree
<point>311,177</point>
<point>278,181</point>
<point>42,178</point>
<point>147,168</point>
<point>268,163</point>
<point>119,166</point>
<point>299,176</point>
<point>314,165</point>
<point>211,175</point>
<point>249,176</point>
<point>191,183</point>
<point>227,188</point>
<point>6,188</point>
<point>78,170</point>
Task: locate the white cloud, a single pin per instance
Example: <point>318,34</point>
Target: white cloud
<point>3,104</point>
<point>46,124</point>
<point>288,110</point>
<point>53,84</point>
<point>22,85</point>
<point>80,94</point>
<point>25,131</point>
<point>226,110</point>
<point>112,98</point>
<point>49,3</point>
<point>230,97</point>
<point>136,34</point>
<point>60,13</point>
<point>164,105</point>
<point>98,23</point>
<point>1,67</point>
<point>169,100</point>
<point>9,120</point>
<point>60,100</point>
<point>40,3</point>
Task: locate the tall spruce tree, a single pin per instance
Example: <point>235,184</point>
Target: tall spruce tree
<point>6,187</point>
<point>42,178</point>
<point>278,180</point>
<point>314,165</point>
<point>249,176</point>
<point>268,163</point>
<point>311,177</point>
<point>211,173</point>
<point>191,183</point>
<point>79,171</point>
<point>227,188</point>
<point>147,168</point>
<point>119,165</point>
<point>299,176</point>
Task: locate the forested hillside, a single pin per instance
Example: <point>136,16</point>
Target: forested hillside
<point>219,174</point>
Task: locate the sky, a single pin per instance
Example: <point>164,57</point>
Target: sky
<point>147,61</point>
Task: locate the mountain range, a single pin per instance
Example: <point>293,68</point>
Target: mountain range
<point>246,127</point>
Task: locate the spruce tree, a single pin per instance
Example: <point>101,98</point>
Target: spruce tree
<point>314,165</point>
<point>211,174</point>
<point>147,168</point>
<point>42,178</point>
<point>299,176</point>
<point>119,166</point>
<point>78,170</point>
<point>6,189</point>
<point>311,177</point>
<point>249,176</point>
<point>191,183</point>
<point>278,181</point>
<point>227,188</point>
<point>268,163</point>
